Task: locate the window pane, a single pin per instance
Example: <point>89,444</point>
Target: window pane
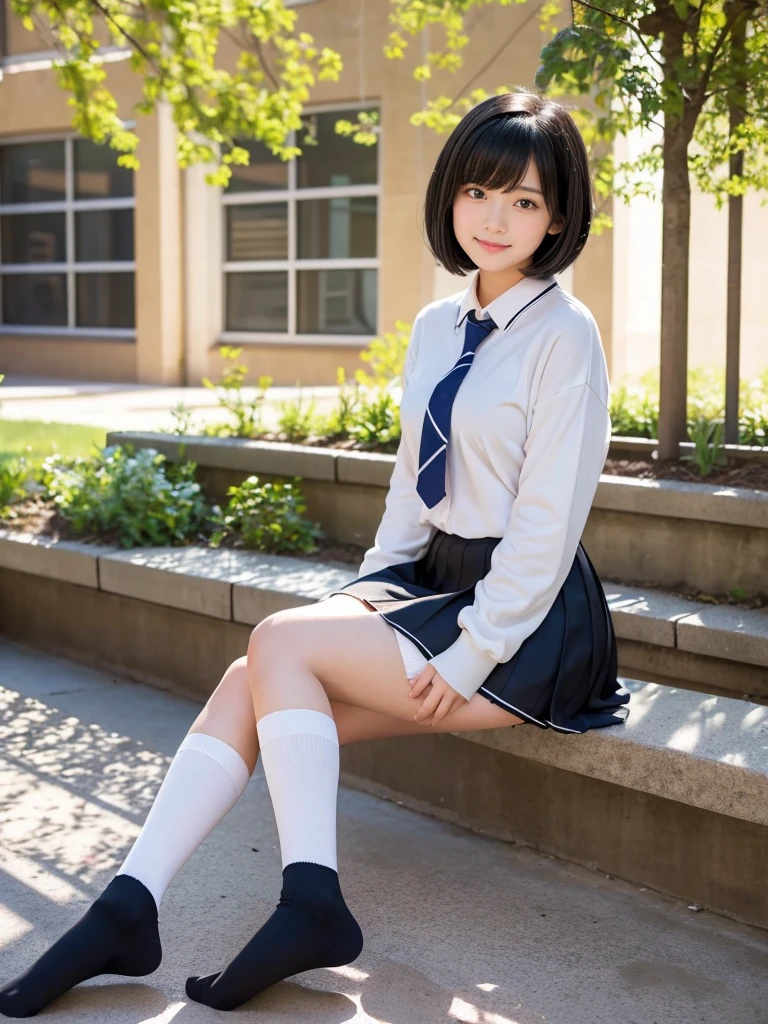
<point>258,232</point>
<point>265,171</point>
<point>336,159</point>
<point>32,172</point>
<point>103,235</point>
<point>337,301</point>
<point>338,228</point>
<point>33,238</point>
<point>257,302</point>
<point>39,299</point>
<point>97,174</point>
<point>104,300</point>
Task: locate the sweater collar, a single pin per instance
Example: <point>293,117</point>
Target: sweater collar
<point>508,306</point>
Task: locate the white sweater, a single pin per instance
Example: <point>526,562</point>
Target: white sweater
<point>530,429</point>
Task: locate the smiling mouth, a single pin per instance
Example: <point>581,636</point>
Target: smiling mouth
<point>491,245</point>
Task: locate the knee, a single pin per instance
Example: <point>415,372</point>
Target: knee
<point>263,637</point>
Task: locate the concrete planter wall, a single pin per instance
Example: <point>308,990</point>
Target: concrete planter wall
<point>676,798</point>
<point>672,534</point>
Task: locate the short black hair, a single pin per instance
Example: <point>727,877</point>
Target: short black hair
<point>491,147</point>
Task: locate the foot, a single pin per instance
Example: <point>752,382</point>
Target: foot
<point>311,927</point>
<point>117,935</point>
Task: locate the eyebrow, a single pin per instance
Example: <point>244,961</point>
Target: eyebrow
<point>526,188</point>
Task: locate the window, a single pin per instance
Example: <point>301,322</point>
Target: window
<point>301,239</point>
<point>66,239</point>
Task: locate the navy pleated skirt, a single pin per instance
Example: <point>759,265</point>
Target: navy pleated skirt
<point>563,676</point>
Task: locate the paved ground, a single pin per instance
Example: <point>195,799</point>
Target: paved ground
<point>136,406</point>
<point>458,927</point>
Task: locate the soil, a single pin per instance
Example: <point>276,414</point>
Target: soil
<point>344,443</point>
<point>751,475</point>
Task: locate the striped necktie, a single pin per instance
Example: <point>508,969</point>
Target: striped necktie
<point>436,430</point>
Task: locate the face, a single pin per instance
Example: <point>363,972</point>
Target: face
<point>516,221</point>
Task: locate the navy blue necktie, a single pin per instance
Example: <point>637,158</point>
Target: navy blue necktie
<point>436,431</point>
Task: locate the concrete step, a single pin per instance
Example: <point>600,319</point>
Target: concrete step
<point>676,798</point>
<point>82,755</point>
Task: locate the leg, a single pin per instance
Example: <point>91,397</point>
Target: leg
<point>297,661</point>
<point>354,657</point>
<point>125,940</point>
<point>119,933</point>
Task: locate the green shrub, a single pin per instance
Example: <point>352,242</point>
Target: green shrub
<point>15,475</point>
<point>707,437</point>
<point>138,497</point>
<point>229,391</point>
<point>635,406</point>
<point>296,422</point>
<point>266,517</point>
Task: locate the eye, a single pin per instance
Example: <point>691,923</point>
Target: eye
<point>533,205</point>
<point>473,188</point>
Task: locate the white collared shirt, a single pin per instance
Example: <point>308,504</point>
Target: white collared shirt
<point>530,428</point>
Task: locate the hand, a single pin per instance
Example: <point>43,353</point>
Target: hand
<point>440,701</point>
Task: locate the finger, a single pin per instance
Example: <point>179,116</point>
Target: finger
<point>421,684</point>
<point>443,709</point>
<point>430,703</point>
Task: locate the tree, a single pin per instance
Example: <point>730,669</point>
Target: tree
<point>676,65</point>
<point>636,61</point>
<point>681,61</point>
<point>173,46</point>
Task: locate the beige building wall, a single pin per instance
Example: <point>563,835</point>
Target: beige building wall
<point>178,220</point>
<point>637,281</point>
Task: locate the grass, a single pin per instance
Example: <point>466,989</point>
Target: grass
<point>37,438</point>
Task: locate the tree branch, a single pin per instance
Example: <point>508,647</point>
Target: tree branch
<point>623,21</point>
<point>500,50</point>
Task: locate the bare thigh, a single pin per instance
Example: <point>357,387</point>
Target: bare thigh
<point>354,654</point>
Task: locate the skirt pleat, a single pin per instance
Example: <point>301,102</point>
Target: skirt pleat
<point>564,674</point>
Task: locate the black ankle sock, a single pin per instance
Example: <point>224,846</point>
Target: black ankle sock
<point>116,935</point>
<point>311,927</point>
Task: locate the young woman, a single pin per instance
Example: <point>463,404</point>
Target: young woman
<point>489,612</point>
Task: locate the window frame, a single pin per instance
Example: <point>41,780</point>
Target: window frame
<point>69,206</point>
<point>292,195</point>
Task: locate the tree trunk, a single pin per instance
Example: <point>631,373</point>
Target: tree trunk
<point>735,234</point>
<point>676,214</point>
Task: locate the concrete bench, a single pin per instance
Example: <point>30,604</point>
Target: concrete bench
<point>676,798</point>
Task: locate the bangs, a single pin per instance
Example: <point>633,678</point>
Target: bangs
<point>497,157</point>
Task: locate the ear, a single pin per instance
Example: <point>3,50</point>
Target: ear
<point>554,229</point>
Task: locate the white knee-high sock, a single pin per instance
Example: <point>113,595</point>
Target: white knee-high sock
<point>299,749</point>
<point>204,781</point>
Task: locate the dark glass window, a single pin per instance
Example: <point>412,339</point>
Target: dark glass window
<point>37,299</point>
<point>103,235</point>
<point>33,238</point>
<point>97,173</point>
<point>340,228</point>
<point>257,302</point>
<point>336,159</point>
<point>336,301</point>
<point>265,171</point>
<point>104,300</point>
<point>32,172</point>
<point>258,232</point>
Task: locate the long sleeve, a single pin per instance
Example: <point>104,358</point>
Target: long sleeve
<point>565,452</point>
<point>400,536</point>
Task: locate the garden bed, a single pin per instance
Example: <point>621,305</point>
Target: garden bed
<point>751,475</point>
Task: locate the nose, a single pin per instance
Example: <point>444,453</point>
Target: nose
<point>494,219</point>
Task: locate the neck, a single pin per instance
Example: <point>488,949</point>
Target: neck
<point>491,284</point>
